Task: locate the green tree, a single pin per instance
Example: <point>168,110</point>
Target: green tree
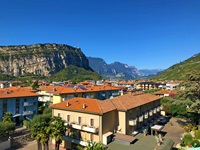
<point>7,117</point>
<point>58,130</point>
<point>35,85</point>
<point>187,139</point>
<point>189,91</point>
<point>96,146</point>
<point>40,129</point>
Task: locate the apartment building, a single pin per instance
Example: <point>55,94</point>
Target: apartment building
<point>146,85</point>
<point>21,102</point>
<point>136,111</point>
<point>62,93</point>
<point>94,120</point>
<point>86,120</point>
<point>172,85</point>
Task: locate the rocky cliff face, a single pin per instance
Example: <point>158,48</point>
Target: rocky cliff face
<point>41,59</point>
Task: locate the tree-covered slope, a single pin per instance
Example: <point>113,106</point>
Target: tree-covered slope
<point>178,71</point>
<point>75,74</point>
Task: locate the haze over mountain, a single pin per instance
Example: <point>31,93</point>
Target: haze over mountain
<point>118,69</point>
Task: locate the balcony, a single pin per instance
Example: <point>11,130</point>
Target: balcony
<point>146,115</point>
<point>154,110</point>
<point>151,113</point>
<point>158,108</point>
<point>28,103</point>
<point>25,113</point>
<point>76,126</point>
<point>90,129</point>
<point>76,141</point>
<point>132,122</point>
<point>161,107</point>
<point>67,123</point>
<point>141,118</point>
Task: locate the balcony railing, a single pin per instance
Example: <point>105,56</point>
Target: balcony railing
<point>90,129</point>
<point>27,113</point>
<point>146,115</point>
<point>67,123</point>
<point>161,107</point>
<point>133,122</point>
<point>158,108</point>
<point>151,113</point>
<point>141,118</point>
<point>76,141</point>
<point>28,103</point>
<point>76,126</point>
<point>154,110</point>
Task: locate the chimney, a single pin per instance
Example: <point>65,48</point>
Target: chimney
<point>67,104</point>
<point>84,105</point>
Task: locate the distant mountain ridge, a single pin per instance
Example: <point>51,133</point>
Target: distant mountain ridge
<point>118,69</point>
<point>179,70</point>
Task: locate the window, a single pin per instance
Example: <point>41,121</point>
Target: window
<point>68,118</point>
<point>17,106</point>
<point>4,106</point>
<point>79,120</point>
<point>92,122</point>
<point>58,114</point>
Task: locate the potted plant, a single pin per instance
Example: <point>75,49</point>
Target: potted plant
<point>145,132</point>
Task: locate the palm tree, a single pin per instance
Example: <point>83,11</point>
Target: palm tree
<point>35,130</point>
<point>40,130</point>
<point>44,135</point>
<point>58,130</point>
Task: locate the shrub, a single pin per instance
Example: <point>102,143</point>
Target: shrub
<point>197,134</point>
<point>187,139</point>
<point>195,143</point>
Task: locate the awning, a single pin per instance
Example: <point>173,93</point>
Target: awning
<point>16,115</point>
<point>157,127</point>
<point>126,139</point>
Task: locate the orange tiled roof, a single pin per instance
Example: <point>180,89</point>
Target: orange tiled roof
<point>128,101</point>
<point>12,92</point>
<point>76,89</point>
<point>92,105</point>
<point>166,92</point>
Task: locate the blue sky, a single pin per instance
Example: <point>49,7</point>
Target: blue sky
<point>143,33</point>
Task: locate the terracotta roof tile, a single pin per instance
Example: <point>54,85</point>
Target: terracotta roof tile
<point>76,89</point>
<point>12,92</point>
<point>91,105</point>
<point>166,92</point>
<point>128,101</point>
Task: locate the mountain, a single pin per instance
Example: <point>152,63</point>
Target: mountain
<point>40,59</point>
<point>116,69</point>
<point>178,71</point>
<point>149,72</point>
